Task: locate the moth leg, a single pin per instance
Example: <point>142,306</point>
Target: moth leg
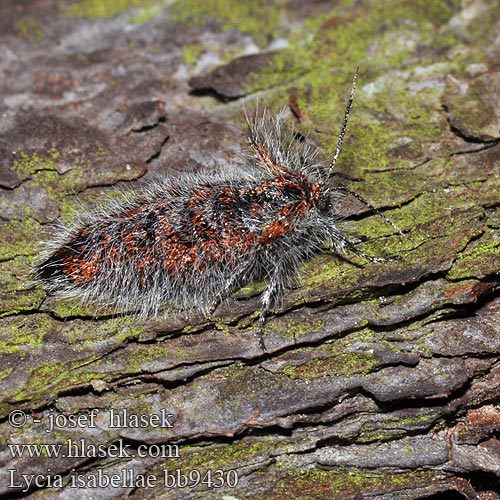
<point>354,241</point>
<point>269,297</point>
<point>281,225</point>
<point>340,242</point>
<point>222,294</point>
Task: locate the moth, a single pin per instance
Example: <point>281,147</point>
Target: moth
<point>191,241</point>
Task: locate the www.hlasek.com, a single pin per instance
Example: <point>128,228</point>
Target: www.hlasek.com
<point>125,477</point>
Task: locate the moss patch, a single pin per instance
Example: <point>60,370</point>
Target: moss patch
<point>20,335</point>
<point>293,329</point>
<point>479,259</point>
<point>192,52</point>
<point>226,457</point>
<point>343,483</point>
<point>27,164</point>
<point>19,238</point>
<point>246,16</point>
<point>30,29</point>
<point>345,364</point>
<point>110,8</point>
<point>80,346</point>
<point>15,302</point>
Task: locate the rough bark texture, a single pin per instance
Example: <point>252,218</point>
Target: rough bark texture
<point>381,380</point>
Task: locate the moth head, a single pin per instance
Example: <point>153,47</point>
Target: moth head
<point>325,204</point>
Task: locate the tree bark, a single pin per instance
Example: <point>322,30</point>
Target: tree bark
<point>380,380</point>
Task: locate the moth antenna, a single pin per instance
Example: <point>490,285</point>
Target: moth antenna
<point>344,125</point>
<point>341,187</point>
